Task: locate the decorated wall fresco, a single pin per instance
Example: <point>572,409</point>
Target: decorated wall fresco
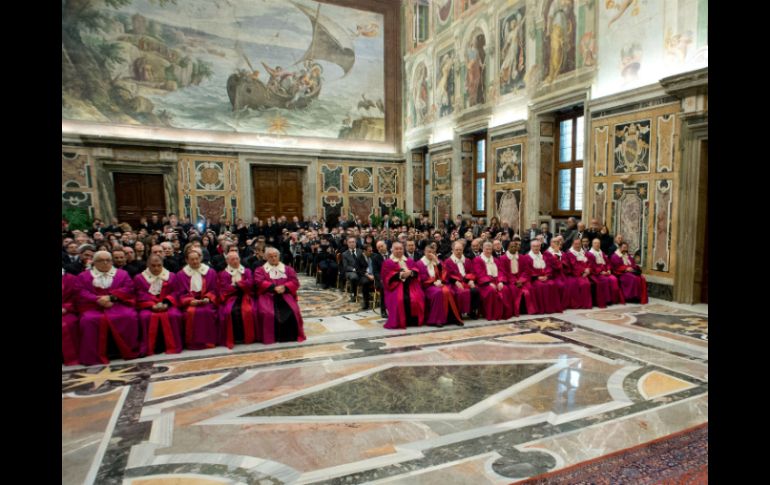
<point>420,106</point>
<point>633,176</point>
<point>507,154</point>
<point>208,187</point>
<point>358,189</point>
<point>78,187</point>
<point>511,34</point>
<point>476,65</point>
<point>299,68</point>
<point>640,42</point>
<point>506,52</point>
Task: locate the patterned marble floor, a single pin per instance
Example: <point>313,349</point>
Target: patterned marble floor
<point>491,402</point>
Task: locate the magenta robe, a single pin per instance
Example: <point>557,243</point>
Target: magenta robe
<point>394,294</point>
<point>495,305</point>
<point>633,286</point>
<point>607,289</point>
<point>265,330</point>
<point>69,321</point>
<point>521,289</point>
<point>169,321</point>
<point>558,268</point>
<point>452,275</point>
<point>439,299</point>
<point>201,323</point>
<point>97,322</point>
<point>546,292</point>
<point>228,295</point>
<point>581,285</point>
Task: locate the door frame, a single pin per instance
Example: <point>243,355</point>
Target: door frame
<point>302,177</point>
<point>142,207</point>
<point>106,182</point>
<point>309,171</point>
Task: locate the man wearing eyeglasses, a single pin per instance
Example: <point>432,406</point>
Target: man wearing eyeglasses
<point>108,312</point>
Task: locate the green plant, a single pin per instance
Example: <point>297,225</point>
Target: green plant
<point>402,216</point>
<point>376,220</point>
<point>78,218</point>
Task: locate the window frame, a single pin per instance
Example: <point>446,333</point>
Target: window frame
<point>572,165</point>
<point>476,175</point>
<point>419,5</point>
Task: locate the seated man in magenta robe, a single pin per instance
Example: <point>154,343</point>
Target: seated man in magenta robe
<point>518,280</point>
<point>106,300</point>
<point>559,268</point>
<point>237,310</point>
<point>460,278</point>
<point>441,305</point>
<point>69,318</point>
<point>158,313</point>
<point>629,275</point>
<point>278,315</point>
<point>197,296</point>
<point>404,298</point>
<point>578,273</point>
<point>545,290</point>
<point>493,283</point>
<point>607,289</point>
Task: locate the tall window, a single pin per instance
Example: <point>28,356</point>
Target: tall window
<point>568,180</point>
<point>421,17</point>
<point>480,175</point>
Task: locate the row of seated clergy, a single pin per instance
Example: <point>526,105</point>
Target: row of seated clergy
<point>436,293</point>
<point>195,308</point>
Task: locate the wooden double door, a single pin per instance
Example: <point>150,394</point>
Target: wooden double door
<point>277,191</point>
<point>138,195</point>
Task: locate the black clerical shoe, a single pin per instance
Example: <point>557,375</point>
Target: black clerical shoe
<point>384,314</point>
<point>460,324</point>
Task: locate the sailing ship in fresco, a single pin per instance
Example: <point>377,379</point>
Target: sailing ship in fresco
<point>294,90</point>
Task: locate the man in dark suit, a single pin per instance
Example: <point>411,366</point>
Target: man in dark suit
<point>155,224</point>
<point>354,267</point>
<point>569,232</point>
<point>411,251</point>
<point>449,224</point>
<point>593,230</point>
<point>133,267</point>
<point>368,279</point>
<point>70,256</point>
<point>377,259</point>
<point>473,250</point>
<point>547,235</point>
<point>578,234</point>
<point>85,256</point>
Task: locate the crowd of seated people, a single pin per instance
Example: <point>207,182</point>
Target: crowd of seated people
<point>168,284</point>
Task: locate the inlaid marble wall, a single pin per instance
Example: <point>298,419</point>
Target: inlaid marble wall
<point>441,184</point>
<point>506,163</point>
<point>633,176</point>
<point>358,189</point>
<point>418,181</point>
<point>208,187</point>
<point>77,180</point>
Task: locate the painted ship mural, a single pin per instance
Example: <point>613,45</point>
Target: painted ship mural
<point>294,89</point>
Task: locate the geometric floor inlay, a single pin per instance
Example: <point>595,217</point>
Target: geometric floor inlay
<point>419,389</point>
<point>490,402</point>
